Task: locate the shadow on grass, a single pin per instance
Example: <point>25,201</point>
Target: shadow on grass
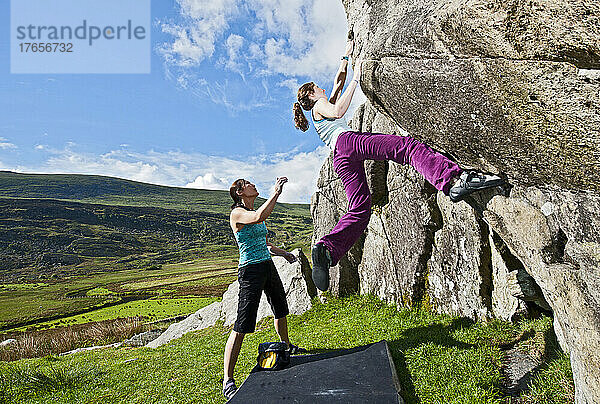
<point>438,334</point>
<point>315,355</point>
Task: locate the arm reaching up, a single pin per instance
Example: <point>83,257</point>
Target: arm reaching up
<point>242,216</point>
<point>340,77</point>
<point>337,110</point>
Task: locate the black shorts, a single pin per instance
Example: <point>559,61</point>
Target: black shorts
<point>253,279</point>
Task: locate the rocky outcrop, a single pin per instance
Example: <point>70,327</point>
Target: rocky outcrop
<point>460,266</point>
<point>142,339</point>
<point>203,318</point>
<point>570,287</point>
<point>504,86</point>
<point>298,286</point>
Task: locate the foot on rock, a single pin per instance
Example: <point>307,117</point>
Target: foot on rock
<point>472,181</point>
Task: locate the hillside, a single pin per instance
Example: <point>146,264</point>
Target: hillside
<point>50,224</point>
<point>117,191</point>
<point>62,236</point>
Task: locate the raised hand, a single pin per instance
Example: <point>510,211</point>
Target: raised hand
<point>279,184</point>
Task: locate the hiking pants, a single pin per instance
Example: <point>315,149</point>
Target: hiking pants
<point>351,151</point>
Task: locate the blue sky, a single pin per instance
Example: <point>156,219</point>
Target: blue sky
<point>216,105</point>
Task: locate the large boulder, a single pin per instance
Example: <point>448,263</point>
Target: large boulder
<point>459,270</point>
<point>203,318</point>
<point>507,86</point>
<point>500,84</point>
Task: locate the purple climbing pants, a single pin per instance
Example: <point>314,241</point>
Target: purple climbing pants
<point>351,151</point>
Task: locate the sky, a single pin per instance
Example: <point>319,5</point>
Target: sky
<point>215,107</point>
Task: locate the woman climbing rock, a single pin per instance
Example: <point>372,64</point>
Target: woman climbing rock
<point>352,148</point>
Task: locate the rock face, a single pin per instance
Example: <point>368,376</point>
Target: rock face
<point>460,267</point>
<point>508,86</point>
<point>142,338</point>
<point>517,68</point>
<point>299,289</point>
<point>569,286</point>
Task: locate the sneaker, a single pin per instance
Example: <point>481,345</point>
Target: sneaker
<point>321,261</point>
<point>295,350</point>
<point>472,181</point>
<point>229,389</point>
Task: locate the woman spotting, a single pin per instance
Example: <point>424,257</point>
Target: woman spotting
<point>256,273</point>
<point>352,148</point>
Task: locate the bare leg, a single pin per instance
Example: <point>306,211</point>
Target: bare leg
<point>282,329</point>
<point>232,350</point>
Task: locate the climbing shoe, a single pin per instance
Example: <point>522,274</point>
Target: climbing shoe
<point>296,350</point>
<point>321,261</point>
<point>472,181</point>
<point>229,389</point>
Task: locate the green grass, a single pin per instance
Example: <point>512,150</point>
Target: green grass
<point>100,291</point>
<point>439,359</point>
<point>152,309</point>
<point>554,383</point>
<point>42,300</point>
<point>21,286</point>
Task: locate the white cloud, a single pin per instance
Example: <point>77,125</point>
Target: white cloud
<point>234,43</point>
<point>194,170</point>
<point>311,35</point>
<point>257,38</point>
<point>194,40</point>
<point>208,181</point>
<point>5,144</point>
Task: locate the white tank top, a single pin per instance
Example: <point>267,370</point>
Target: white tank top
<point>329,129</point>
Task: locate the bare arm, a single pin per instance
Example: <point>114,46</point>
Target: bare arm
<point>340,77</point>
<point>242,216</point>
<point>282,253</point>
<point>336,110</point>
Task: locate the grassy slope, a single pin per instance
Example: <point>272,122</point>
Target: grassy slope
<point>439,359</point>
<point>116,191</point>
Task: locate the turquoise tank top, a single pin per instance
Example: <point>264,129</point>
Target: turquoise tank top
<point>252,242</point>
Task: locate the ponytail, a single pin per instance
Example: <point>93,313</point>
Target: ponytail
<point>304,103</point>
<point>236,186</point>
<point>299,119</point>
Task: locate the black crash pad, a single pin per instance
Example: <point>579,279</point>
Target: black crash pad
<point>362,375</point>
